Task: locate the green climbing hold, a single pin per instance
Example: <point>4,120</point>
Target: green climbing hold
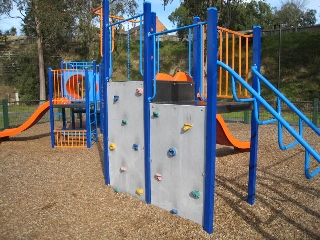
<point>116,190</point>
<point>156,114</point>
<point>196,194</point>
<point>124,121</point>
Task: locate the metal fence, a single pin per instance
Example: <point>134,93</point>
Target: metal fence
<point>14,114</point>
<point>309,108</point>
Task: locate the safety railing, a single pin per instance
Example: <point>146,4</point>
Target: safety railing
<point>257,99</point>
<point>234,50</point>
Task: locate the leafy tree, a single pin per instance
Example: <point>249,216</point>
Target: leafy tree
<point>253,13</point>
<point>13,31</point>
<point>181,17</point>
<point>5,7</point>
<point>291,14</point>
<point>236,15</point>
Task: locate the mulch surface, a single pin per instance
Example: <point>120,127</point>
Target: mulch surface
<point>50,193</point>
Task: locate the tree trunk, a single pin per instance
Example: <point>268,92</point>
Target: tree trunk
<point>42,78</point>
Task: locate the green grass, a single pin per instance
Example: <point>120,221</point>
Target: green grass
<point>299,68</point>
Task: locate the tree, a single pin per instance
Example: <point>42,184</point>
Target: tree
<point>236,15</point>
<point>53,22</point>
<point>181,17</point>
<point>252,13</point>
<point>292,14</point>
<point>13,31</point>
<point>5,7</point>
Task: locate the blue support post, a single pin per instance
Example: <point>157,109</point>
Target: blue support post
<point>106,66</point>
<point>210,167</point>
<point>87,99</point>
<point>196,57</point>
<point>254,124</point>
<point>149,27</point>
<point>51,106</point>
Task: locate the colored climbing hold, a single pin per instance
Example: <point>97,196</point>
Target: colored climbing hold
<point>116,190</point>
<point>112,146</point>
<point>187,126</point>
<point>158,176</point>
<point>123,169</point>
<point>124,121</point>
<point>139,91</point>
<point>139,191</point>
<point>174,211</point>
<point>172,152</point>
<point>135,147</point>
<point>196,194</point>
<point>155,114</point>
<point>115,98</point>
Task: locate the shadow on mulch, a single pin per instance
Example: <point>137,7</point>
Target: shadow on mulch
<point>272,183</point>
<point>20,139</point>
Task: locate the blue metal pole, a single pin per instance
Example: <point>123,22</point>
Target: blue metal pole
<point>254,124</point>
<point>106,66</point>
<point>87,103</point>
<point>147,77</point>
<point>51,106</point>
<point>196,56</point>
<point>210,167</point>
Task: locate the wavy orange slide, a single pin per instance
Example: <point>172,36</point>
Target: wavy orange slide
<point>35,117</point>
<point>224,136</point>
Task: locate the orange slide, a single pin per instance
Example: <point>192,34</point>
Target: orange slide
<point>35,117</point>
<point>224,136</point>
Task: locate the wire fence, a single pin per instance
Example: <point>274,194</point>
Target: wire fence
<point>14,114</point>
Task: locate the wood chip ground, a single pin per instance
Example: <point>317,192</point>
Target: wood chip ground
<point>50,193</point>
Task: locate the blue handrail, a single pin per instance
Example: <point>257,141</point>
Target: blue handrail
<point>141,55</point>
<point>125,20</point>
<point>154,68</point>
<point>176,29</point>
<point>201,66</point>
<point>257,98</point>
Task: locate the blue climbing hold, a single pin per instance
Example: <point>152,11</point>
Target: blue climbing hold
<point>174,211</point>
<point>115,98</point>
<point>135,147</point>
<point>172,152</point>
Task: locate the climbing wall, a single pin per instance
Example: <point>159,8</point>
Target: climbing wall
<point>126,138</point>
<point>178,159</point>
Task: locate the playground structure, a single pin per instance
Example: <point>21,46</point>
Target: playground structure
<point>75,87</point>
<point>164,152</point>
<point>168,159</point>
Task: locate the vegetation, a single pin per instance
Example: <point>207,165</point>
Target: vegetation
<point>299,66</point>
<point>68,32</point>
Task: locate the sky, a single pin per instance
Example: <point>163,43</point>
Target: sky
<point>156,6</point>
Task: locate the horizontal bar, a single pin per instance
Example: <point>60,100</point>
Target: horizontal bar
<point>176,29</point>
<point>126,20</point>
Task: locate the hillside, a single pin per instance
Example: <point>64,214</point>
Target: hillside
<point>300,62</point>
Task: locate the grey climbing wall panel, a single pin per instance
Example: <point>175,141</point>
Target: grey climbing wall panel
<point>183,173</point>
<point>125,130</point>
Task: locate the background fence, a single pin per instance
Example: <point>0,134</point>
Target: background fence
<point>13,114</point>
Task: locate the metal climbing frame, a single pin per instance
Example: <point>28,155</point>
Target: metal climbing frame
<point>74,86</point>
<point>211,107</point>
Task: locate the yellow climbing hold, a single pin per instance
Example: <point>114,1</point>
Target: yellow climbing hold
<point>139,191</point>
<point>187,126</point>
<point>112,146</point>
